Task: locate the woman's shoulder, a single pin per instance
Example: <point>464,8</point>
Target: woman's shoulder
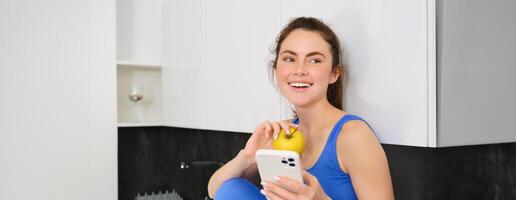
<point>357,132</point>
<point>357,141</point>
<point>354,123</point>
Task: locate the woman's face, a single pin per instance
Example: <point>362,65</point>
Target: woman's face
<point>303,69</point>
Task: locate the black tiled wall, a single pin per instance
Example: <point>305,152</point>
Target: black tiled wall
<point>466,172</point>
<point>149,160</point>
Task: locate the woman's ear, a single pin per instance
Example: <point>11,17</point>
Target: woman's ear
<point>335,73</point>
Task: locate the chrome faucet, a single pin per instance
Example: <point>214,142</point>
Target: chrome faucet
<point>185,165</point>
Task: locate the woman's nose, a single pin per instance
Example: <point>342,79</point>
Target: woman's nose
<point>300,69</point>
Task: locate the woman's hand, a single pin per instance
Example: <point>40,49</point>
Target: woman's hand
<point>263,136</point>
<point>288,189</point>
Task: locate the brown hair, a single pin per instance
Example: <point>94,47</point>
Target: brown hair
<point>335,91</point>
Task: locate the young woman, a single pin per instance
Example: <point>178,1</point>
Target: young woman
<point>342,158</point>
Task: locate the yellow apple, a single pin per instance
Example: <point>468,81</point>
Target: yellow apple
<point>294,142</point>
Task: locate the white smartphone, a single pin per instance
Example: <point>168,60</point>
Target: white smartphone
<point>278,163</point>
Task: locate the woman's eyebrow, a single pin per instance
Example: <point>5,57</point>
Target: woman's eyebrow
<point>289,52</point>
<point>307,55</point>
<point>315,53</point>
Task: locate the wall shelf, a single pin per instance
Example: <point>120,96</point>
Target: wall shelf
<point>147,77</point>
<point>138,124</point>
<point>123,64</point>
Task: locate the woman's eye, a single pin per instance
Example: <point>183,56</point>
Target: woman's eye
<point>288,59</point>
<point>314,61</point>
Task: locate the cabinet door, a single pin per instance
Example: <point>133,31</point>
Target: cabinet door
<point>183,59</point>
<point>386,42</point>
<point>139,31</point>
<point>476,72</point>
<point>237,93</point>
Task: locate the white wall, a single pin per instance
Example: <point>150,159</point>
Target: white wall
<point>386,44</point>
<point>57,107</point>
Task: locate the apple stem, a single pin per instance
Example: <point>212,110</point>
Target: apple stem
<point>290,135</point>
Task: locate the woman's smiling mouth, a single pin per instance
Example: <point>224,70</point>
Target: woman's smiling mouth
<point>300,86</point>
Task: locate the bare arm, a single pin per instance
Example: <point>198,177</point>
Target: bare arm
<point>362,156</point>
<point>251,173</point>
<point>244,164</point>
<point>234,168</point>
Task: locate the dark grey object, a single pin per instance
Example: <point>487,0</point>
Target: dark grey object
<point>476,65</point>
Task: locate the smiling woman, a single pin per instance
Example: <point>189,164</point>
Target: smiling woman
<point>323,49</point>
<point>342,158</point>
<point>304,70</point>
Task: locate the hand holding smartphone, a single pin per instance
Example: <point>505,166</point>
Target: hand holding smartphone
<point>278,163</point>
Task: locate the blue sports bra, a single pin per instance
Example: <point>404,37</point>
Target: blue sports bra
<point>335,182</point>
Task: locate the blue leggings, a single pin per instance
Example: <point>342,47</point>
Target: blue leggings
<point>238,189</point>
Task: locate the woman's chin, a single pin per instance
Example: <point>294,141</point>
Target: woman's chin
<point>299,103</point>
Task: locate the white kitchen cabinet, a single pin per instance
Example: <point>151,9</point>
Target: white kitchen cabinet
<point>183,59</point>
<point>147,80</point>
<point>237,92</point>
<point>139,31</point>
<point>476,88</point>
<point>215,64</point>
<point>139,40</point>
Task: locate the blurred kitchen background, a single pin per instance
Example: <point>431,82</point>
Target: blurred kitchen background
<point>114,99</point>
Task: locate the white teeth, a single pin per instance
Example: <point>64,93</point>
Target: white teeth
<point>295,84</point>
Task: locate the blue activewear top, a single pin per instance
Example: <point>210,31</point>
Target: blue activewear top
<point>335,182</point>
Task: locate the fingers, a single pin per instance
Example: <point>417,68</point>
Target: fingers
<point>267,126</point>
<point>285,127</point>
<point>276,127</point>
<point>286,188</point>
<point>307,177</point>
<point>273,128</point>
<point>290,184</point>
<point>310,179</point>
<point>276,191</point>
<point>270,195</point>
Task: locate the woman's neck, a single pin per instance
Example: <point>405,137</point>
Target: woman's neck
<point>317,116</point>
